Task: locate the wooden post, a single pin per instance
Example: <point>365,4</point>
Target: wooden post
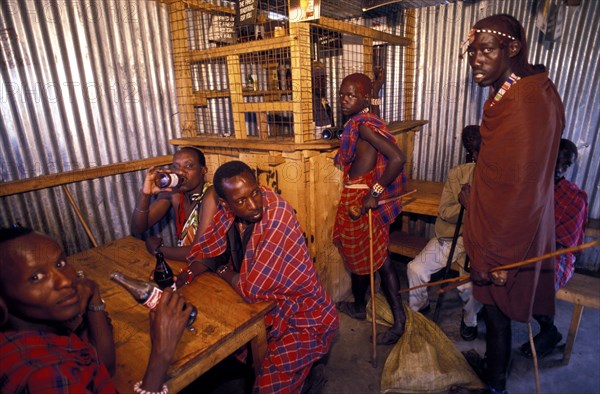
<point>301,82</point>
<point>183,77</point>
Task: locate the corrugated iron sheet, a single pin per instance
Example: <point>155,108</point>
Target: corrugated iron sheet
<point>82,84</point>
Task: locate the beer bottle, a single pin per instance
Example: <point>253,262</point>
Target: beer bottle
<point>163,274</point>
<point>146,293</point>
<point>165,179</point>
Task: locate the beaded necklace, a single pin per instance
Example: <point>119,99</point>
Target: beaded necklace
<point>512,79</point>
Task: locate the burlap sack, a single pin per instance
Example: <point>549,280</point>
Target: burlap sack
<point>424,360</point>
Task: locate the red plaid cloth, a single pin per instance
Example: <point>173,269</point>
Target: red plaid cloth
<point>570,212</point>
<point>42,362</point>
<point>277,267</point>
<point>346,155</point>
<point>352,236</point>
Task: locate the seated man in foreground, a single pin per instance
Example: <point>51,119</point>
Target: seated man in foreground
<point>255,243</point>
<point>55,336</point>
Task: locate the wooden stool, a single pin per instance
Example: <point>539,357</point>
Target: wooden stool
<point>581,291</point>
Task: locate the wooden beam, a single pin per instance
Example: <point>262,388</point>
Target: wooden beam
<point>256,145</point>
<point>239,49</point>
<point>357,30</point>
<point>63,178</point>
<point>403,126</point>
<point>274,106</point>
<point>203,6</point>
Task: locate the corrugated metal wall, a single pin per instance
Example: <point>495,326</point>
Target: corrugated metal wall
<point>83,83</point>
<point>446,96</point>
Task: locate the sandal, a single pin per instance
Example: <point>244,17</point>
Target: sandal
<point>544,343</point>
<point>349,308</point>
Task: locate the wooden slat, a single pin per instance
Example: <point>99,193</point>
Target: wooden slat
<point>426,200</point>
<point>405,125</point>
<point>183,77</point>
<point>63,178</point>
<point>581,290</point>
<point>235,88</point>
<point>368,57</point>
<point>301,66</point>
<point>203,6</point>
<point>239,49</point>
<point>349,28</point>
<point>266,107</point>
<point>272,144</point>
<point>406,244</point>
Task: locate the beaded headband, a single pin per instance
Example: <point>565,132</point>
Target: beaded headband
<point>471,37</point>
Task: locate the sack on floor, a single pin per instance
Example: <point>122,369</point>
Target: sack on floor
<point>424,360</point>
<point>383,312</point>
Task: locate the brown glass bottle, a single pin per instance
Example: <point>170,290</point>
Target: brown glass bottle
<point>163,274</point>
<point>146,293</point>
<point>165,179</point>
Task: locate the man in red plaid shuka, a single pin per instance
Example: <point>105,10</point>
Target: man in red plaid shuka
<point>256,234</point>
<point>570,214</point>
<point>373,177</point>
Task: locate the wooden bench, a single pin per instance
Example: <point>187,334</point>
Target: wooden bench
<point>406,244</point>
<point>581,291</point>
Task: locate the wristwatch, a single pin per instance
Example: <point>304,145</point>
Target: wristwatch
<point>376,190</point>
<point>97,308</point>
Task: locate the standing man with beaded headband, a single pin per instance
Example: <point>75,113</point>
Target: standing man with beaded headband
<point>510,206</point>
<point>373,176</point>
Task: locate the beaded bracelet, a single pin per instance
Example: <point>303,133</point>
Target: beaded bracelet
<point>141,210</point>
<point>376,101</point>
<point>137,389</point>
<point>190,276</point>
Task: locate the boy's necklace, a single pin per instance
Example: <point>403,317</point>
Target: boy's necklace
<point>512,79</point>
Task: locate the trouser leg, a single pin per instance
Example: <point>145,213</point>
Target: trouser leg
<point>429,261</point>
<point>391,285</point>
<point>546,322</point>
<point>470,305</point>
<point>360,284</point>
<point>498,346</point>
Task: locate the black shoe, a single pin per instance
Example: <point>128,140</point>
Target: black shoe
<point>467,333</point>
<point>544,342</point>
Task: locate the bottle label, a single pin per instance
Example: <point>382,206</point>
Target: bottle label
<point>173,180</point>
<point>152,301</point>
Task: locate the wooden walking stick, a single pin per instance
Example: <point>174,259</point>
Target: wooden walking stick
<point>372,279</point>
<point>440,300</point>
<point>80,216</point>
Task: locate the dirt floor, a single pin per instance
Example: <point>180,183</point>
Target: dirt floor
<point>349,368</point>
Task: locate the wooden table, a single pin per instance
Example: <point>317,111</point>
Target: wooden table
<point>224,324</point>
<point>426,201</point>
